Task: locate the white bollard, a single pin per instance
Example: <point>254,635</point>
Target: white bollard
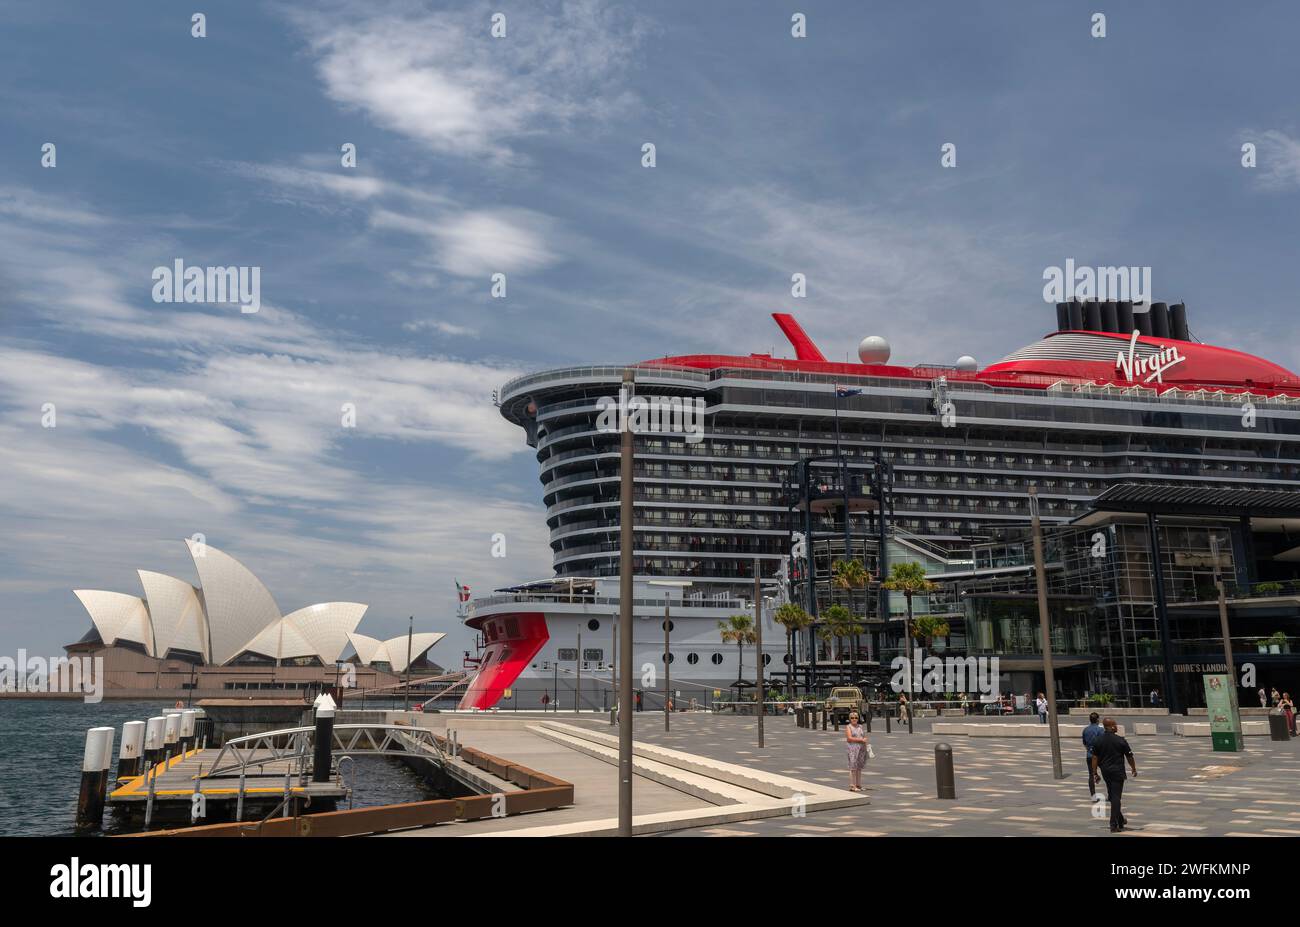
<point>90,801</point>
<point>172,733</point>
<point>132,752</point>
<point>187,728</point>
<point>154,733</point>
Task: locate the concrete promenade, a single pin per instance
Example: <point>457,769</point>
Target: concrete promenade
<point>1005,786</point>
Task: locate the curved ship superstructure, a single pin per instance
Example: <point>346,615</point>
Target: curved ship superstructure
<point>1117,394</point>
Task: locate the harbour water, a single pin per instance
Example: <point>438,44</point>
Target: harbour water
<point>41,746</point>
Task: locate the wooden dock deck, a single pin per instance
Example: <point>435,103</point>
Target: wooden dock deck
<point>174,782</point>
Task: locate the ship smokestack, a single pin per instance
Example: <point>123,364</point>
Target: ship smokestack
<point>1178,322</point>
<point>1124,317</point>
<point>1142,322</point>
<point>1159,313</point>
<point>1109,322</point>
<point>1076,315</point>
<point>1092,316</point>
<point>1062,317</point>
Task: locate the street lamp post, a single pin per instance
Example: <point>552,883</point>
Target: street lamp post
<point>625,537</point>
<point>758,645</point>
<point>1045,631</point>
<point>668,692</point>
<point>410,634</point>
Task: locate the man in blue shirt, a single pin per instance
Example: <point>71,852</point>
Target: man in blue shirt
<point>1090,735</point>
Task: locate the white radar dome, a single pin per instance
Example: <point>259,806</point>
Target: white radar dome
<point>873,350</point>
<point>967,363</point>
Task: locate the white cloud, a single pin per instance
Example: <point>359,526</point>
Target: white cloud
<point>1278,159</point>
<point>476,243</point>
<point>438,325</point>
<point>440,78</point>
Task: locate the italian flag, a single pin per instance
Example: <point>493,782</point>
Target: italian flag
<point>462,592</point>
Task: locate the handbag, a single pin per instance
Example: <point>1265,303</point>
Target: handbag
<point>870,752</point>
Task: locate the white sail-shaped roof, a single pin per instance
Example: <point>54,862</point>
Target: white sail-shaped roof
<point>179,622</point>
<point>315,631</point>
<point>327,626</point>
<point>393,651</point>
<point>239,607</point>
<point>281,641</point>
<point>118,616</point>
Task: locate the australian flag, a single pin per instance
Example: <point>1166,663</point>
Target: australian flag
<point>843,392</point>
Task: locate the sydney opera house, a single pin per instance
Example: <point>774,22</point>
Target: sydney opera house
<point>227,635</point>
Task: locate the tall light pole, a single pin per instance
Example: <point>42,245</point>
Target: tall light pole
<point>1045,631</point>
<point>625,537</point>
<point>1237,742</point>
<point>410,635</point>
<point>668,624</point>
<point>758,644</point>
<point>577,691</point>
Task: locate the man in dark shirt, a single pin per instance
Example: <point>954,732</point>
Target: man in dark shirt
<point>1109,751</point>
<point>1090,735</point>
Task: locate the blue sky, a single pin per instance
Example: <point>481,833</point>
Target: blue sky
<point>522,155</point>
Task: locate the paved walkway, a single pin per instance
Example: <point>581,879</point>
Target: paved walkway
<point>1004,787</point>
<point>595,785</point>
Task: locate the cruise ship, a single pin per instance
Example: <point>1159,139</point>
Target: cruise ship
<point>938,456</point>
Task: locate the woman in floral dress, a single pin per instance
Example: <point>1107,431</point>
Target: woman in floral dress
<point>856,735</point>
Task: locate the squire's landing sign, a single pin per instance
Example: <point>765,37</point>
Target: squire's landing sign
<point>1221,706</point>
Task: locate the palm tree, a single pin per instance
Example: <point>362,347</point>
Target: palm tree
<point>738,630</point>
<point>928,627</point>
<point>850,575</point>
<point>839,624</point>
<point>794,619</point>
<point>910,580</point>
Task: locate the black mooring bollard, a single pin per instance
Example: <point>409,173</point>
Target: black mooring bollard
<point>943,774</point>
<point>320,762</point>
<point>888,725</point>
<point>823,711</point>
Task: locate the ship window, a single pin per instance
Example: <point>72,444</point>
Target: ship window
<point>717,659</point>
<point>671,657</point>
<point>692,658</point>
<point>767,658</point>
<point>593,655</point>
<point>593,625</point>
<point>567,653</point>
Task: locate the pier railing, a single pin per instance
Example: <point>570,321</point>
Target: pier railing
<point>254,750</point>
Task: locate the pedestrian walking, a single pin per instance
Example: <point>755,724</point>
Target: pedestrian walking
<point>965,704</point>
<point>1090,735</point>
<point>1263,699</point>
<point>1155,698</point>
<point>1109,751</point>
<point>1042,708</point>
<point>858,747</point>
<point>1274,697</point>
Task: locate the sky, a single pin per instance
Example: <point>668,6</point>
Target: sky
<point>522,155</point>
